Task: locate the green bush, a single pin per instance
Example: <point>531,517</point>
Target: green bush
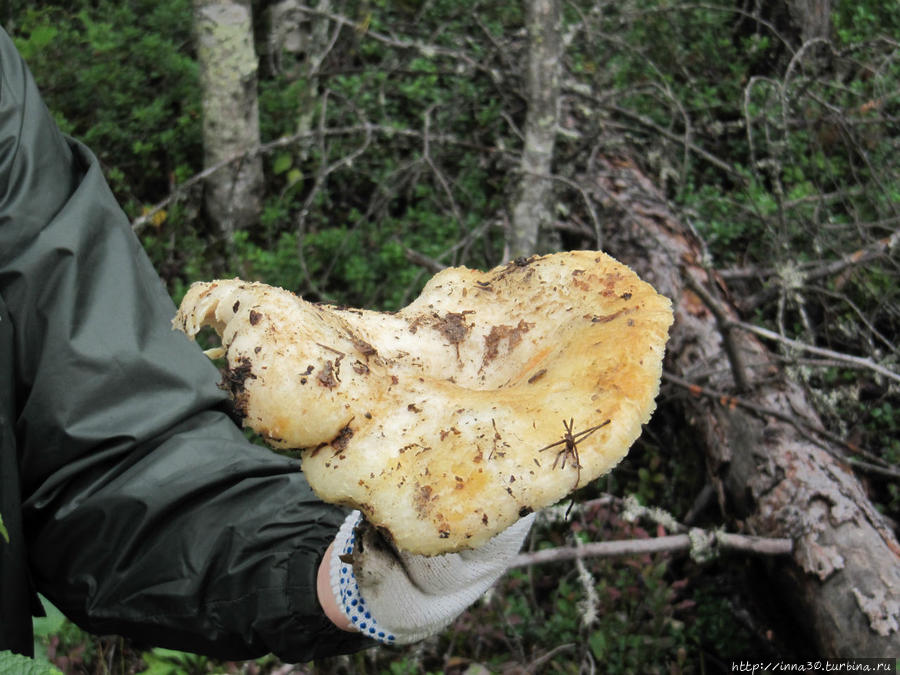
<point>128,89</point>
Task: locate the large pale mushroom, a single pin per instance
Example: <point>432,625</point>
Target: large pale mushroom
<point>491,395</point>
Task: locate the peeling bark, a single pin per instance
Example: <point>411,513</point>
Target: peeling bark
<point>228,70</point>
<point>843,580</point>
<point>532,211</point>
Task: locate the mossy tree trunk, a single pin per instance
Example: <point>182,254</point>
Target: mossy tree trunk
<point>228,67</point>
<point>532,210</point>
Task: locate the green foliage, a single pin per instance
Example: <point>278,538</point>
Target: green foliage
<point>403,666</point>
<point>800,172</point>
<point>3,532</point>
<point>856,22</point>
<point>171,662</point>
<point>60,642</point>
<point>644,614</point>
<point>129,88</point>
<point>49,625</point>
<point>16,664</point>
<point>742,90</point>
<point>713,626</point>
<point>357,220</point>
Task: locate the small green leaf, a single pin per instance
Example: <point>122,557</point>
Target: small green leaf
<point>283,162</point>
<point>161,661</point>
<point>46,626</point>
<point>3,532</point>
<point>599,647</point>
<point>43,35</point>
<point>294,176</point>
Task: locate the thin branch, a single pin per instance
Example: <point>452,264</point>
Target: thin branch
<point>428,50</point>
<point>536,665</point>
<point>817,270</point>
<point>420,259</point>
<point>668,543</point>
<point>429,161</point>
<point>701,501</point>
<point>738,371</point>
<point>321,176</point>
<point>366,128</point>
<point>434,264</point>
<point>568,182</point>
<point>679,138</point>
<point>873,330</point>
<point>857,361</point>
<point>875,464</point>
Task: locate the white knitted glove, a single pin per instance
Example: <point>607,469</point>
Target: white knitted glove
<point>399,598</point>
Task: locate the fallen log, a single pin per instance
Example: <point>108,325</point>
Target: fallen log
<point>842,581</point>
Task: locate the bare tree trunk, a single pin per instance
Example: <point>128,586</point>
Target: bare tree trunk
<point>843,580</point>
<point>299,41</point>
<point>532,211</point>
<point>228,67</point>
<point>813,17</point>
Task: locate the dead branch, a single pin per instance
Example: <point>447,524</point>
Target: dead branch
<point>365,128</point>
<point>438,173</point>
<point>701,152</point>
<point>422,260</point>
<point>857,361</point>
<point>738,371</point>
<point>536,665</point>
<point>666,544</point>
<point>805,427</point>
<point>429,50</point>
<point>701,501</point>
<point>322,173</point>
<point>816,270</point>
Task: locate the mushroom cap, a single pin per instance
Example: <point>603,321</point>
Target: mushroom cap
<point>491,395</point>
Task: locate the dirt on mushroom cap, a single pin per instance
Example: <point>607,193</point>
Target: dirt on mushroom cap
<point>491,395</point>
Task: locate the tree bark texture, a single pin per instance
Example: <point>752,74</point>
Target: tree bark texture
<point>813,17</point>
<point>532,211</point>
<point>228,76</point>
<point>298,42</point>
<point>843,580</point>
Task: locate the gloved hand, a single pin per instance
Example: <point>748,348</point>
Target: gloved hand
<point>399,598</point>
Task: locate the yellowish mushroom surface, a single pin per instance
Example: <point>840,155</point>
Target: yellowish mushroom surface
<point>491,395</point>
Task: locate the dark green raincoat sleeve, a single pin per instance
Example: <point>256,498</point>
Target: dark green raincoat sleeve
<point>146,513</point>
